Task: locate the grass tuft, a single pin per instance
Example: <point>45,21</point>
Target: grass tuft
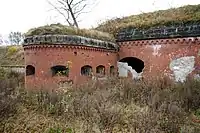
<point>116,105</point>
<point>12,55</point>
<point>60,29</point>
<point>185,14</point>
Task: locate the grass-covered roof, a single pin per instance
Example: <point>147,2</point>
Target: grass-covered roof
<point>189,13</point>
<point>60,29</point>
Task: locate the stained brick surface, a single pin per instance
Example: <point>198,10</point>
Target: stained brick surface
<point>44,57</point>
<point>156,61</point>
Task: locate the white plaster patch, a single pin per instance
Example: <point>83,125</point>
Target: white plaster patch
<point>156,49</point>
<point>181,67</point>
<point>123,70</point>
<point>135,75</point>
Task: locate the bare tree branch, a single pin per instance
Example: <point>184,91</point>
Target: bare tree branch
<point>57,9</point>
<point>70,10</point>
<point>62,3</point>
<point>78,3</point>
<point>73,17</point>
<point>71,2</point>
<point>81,9</point>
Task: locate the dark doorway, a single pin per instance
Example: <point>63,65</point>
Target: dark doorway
<point>135,63</point>
<point>30,70</point>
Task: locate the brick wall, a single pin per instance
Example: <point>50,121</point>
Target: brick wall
<point>43,57</point>
<point>157,54</point>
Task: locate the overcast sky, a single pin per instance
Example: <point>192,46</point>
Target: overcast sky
<point>21,15</point>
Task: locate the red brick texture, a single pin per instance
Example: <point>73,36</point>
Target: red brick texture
<point>157,62</point>
<point>43,57</point>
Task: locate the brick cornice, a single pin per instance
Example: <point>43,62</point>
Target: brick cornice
<point>68,40</point>
<point>189,40</point>
<point>39,46</point>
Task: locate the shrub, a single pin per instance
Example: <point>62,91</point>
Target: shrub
<point>12,50</point>
<point>9,81</point>
<point>197,113</point>
<point>12,55</point>
<point>115,105</point>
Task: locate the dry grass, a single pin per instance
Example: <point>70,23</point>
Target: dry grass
<point>12,55</point>
<point>116,105</point>
<point>189,13</point>
<point>54,29</point>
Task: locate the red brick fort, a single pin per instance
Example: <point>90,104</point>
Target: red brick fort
<point>172,50</point>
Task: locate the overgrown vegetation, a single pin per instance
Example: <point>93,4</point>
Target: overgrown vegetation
<point>9,81</point>
<point>185,14</point>
<point>12,55</point>
<point>60,29</point>
<point>116,105</point>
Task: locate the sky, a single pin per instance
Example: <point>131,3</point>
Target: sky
<point>21,15</point>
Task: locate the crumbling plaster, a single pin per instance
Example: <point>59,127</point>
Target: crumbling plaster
<point>123,70</point>
<point>182,67</point>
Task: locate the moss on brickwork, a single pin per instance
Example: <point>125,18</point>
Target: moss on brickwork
<point>185,14</point>
<point>66,30</point>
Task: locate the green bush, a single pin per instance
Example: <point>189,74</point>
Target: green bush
<point>55,130</point>
<point>197,113</point>
<point>12,55</point>
<point>12,50</point>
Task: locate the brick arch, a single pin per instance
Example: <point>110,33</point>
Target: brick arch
<point>30,70</point>
<point>136,63</point>
<point>100,69</point>
<point>157,60</point>
<point>86,70</point>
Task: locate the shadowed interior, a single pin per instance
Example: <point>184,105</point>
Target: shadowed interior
<point>135,63</point>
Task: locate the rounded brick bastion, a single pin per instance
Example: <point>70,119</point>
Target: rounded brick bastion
<point>54,59</point>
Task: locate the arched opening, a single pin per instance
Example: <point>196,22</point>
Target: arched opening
<point>135,63</point>
<point>112,70</point>
<point>100,70</point>
<point>30,70</point>
<point>86,70</point>
<point>60,70</point>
